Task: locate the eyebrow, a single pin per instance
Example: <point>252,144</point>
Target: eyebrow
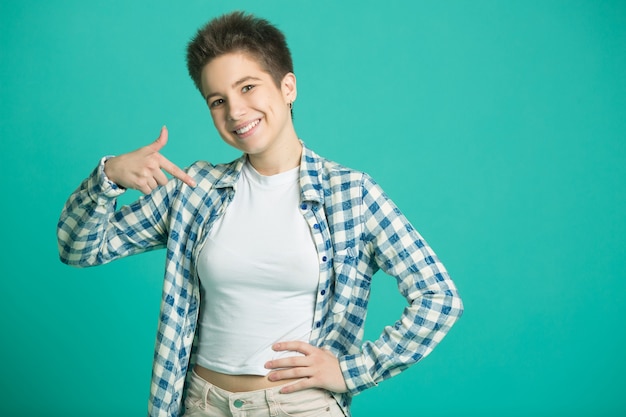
<point>235,84</point>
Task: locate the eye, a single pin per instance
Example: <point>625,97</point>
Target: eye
<point>216,103</point>
<point>247,88</point>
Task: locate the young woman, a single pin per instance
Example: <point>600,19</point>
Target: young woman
<point>269,257</point>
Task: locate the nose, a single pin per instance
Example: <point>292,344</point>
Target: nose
<point>236,108</point>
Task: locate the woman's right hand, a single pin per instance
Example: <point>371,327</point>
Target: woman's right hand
<point>143,169</point>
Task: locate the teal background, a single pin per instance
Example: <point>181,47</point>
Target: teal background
<point>497,127</point>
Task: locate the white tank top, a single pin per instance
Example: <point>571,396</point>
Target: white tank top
<point>259,274</point>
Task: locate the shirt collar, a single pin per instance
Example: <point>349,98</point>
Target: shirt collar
<point>231,174</point>
<point>310,175</point>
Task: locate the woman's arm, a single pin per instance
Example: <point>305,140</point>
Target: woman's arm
<point>394,246</point>
<point>90,231</point>
<point>433,302</point>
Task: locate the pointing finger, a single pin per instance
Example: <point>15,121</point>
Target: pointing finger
<point>176,172</point>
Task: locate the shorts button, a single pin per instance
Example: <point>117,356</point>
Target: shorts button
<point>238,403</point>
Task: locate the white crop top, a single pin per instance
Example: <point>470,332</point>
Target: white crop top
<point>259,273</point>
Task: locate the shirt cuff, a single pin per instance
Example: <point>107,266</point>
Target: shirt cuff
<point>356,373</point>
<point>100,187</point>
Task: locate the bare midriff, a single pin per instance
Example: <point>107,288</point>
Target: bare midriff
<point>238,383</point>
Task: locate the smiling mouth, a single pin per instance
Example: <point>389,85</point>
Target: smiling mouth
<point>245,129</point>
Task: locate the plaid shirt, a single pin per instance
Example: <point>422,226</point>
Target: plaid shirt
<point>357,231</point>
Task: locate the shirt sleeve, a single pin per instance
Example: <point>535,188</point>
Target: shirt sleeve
<point>91,232</point>
<point>395,247</point>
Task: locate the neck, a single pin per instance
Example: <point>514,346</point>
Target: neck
<point>286,157</point>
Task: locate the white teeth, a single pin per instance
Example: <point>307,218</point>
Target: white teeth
<point>246,128</point>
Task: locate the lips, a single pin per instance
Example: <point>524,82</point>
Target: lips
<point>247,127</point>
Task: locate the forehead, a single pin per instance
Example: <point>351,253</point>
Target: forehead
<point>223,72</point>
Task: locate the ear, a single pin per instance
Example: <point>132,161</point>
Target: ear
<point>288,87</point>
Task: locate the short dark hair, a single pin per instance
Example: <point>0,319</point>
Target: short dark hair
<point>239,32</point>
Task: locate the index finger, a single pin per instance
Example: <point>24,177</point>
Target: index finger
<point>171,168</point>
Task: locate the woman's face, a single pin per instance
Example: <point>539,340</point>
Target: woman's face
<point>249,111</point>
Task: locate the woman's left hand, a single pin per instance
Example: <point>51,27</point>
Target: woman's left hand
<point>318,368</point>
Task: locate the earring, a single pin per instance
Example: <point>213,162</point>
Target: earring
<point>290,104</point>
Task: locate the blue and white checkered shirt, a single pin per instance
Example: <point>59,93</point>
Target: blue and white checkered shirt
<point>357,230</point>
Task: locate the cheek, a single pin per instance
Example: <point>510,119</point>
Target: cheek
<point>262,100</point>
<point>271,104</point>
<point>218,120</point>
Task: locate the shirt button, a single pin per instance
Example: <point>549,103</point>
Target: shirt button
<point>323,292</point>
<point>316,226</point>
<point>324,258</point>
<point>238,403</point>
<point>303,206</point>
<point>318,324</point>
